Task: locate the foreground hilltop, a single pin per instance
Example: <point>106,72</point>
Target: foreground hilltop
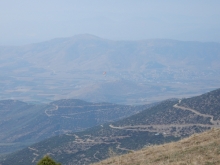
<point>200,149</point>
<point>167,121</point>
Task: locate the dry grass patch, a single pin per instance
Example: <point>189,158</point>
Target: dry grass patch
<point>198,149</point>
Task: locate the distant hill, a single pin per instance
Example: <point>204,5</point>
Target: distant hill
<point>200,149</point>
<point>22,124</point>
<point>164,122</point>
<point>136,72</point>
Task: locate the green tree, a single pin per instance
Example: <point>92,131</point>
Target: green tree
<point>46,160</point>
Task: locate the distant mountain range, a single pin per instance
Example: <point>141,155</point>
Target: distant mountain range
<point>168,121</point>
<point>22,124</point>
<point>100,70</point>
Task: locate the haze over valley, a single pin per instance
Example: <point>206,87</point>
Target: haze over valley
<point>99,70</point>
<point>84,81</point>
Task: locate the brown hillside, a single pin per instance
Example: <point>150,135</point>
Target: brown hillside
<point>198,149</point>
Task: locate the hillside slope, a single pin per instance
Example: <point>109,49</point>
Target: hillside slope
<point>164,122</point>
<point>202,149</point>
<point>22,124</point>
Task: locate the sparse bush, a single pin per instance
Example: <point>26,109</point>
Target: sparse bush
<point>46,160</point>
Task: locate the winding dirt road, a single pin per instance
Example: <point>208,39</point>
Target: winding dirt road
<point>54,108</point>
<point>197,113</point>
<point>159,128</point>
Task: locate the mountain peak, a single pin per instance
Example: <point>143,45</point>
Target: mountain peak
<point>85,36</point>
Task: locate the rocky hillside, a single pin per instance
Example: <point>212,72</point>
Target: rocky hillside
<point>164,122</point>
<point>200,149</point>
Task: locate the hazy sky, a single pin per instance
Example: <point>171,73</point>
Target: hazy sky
<point>28,21</point>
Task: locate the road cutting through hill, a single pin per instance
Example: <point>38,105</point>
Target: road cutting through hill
<point>160,126</point>
<point>198,113</point>
<point>54,108</point>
